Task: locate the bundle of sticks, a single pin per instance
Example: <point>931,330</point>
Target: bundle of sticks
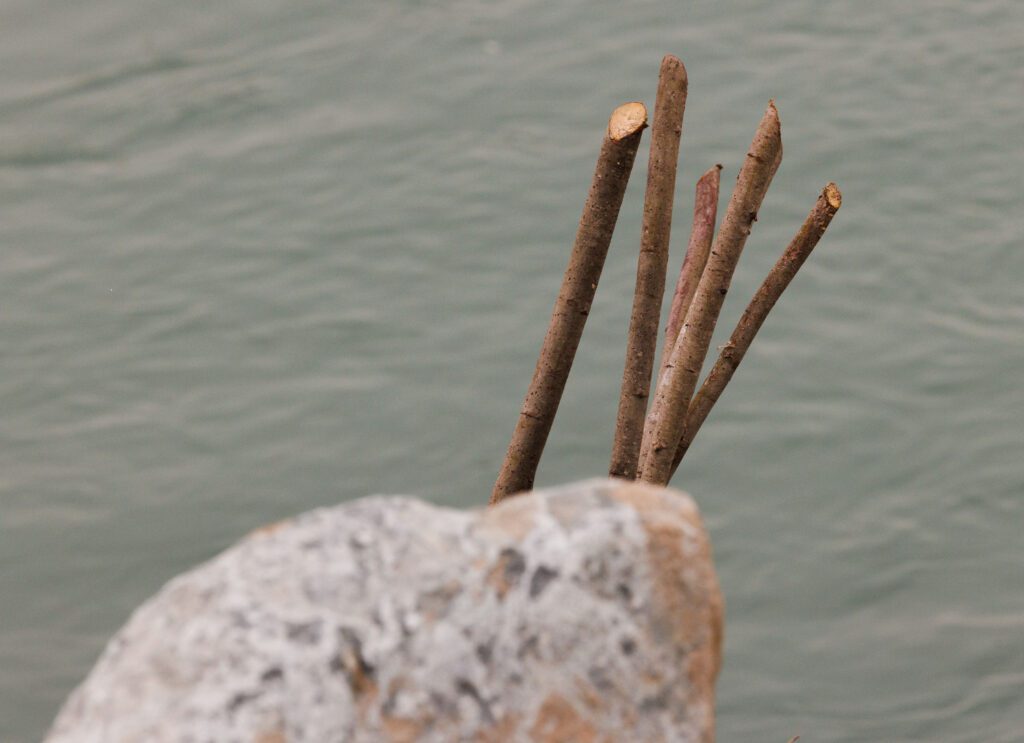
<point>650,442</point>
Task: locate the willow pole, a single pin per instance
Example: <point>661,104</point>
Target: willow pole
<point>705,211</point>
<point>652,264</point>
<point>702,231</point>
<point>579,284</point>
<point>663,429</point>
<point>753,318</point>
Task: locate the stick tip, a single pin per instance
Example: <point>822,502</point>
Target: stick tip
<point>833,196</point>
<point>711,177</point>
<point>672,66</point>
<point>627,119</point>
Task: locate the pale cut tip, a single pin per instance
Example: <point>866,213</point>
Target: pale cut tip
<point>834,197</point>
<point>627,119</point>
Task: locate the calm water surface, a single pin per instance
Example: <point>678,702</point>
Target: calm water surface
<point>257,257</point>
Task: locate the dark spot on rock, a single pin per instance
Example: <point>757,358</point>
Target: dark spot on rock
<point>240,620</point>
<point>307,633</point>
<point>599,679</point>
<point>515,565</point>
<point>241,698</point>
<point>484,652</point>
<point>541,577</point>
<point>624,591</point>
<point>628,645</point>
<point>530,647</point>
<point>657,702</point>
<point>506,572</point>
<point>349,661</point>
<point>595,570</point>
<point>468,688</point>
<point>274,673</point>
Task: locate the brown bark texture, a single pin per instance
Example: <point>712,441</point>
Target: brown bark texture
<point>702,231</point>
<point>579,284</point>
<point>757,311</point>
<point>652,264</point>
<point>705,212</point>
<point>664,426</point>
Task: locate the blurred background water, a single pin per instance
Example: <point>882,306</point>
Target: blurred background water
<point>261,256</point>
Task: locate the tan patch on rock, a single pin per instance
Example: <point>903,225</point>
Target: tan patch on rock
<point>268,529</point>
<point>271,736</point>
<point>434,604</point>
<point>559,722</point>
<point>590,696</point>
<point>511,518</point>
<point>687,599</point>
<point>503,731</point>
<point>401,729</point>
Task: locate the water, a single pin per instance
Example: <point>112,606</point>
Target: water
<point>263,256</point>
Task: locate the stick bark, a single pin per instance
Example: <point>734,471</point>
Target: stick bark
<point>652,265</point>
<point>702,231</point>
<point>579,284</point>
<point>753,318</point>
<point>664,426</point>
<point>705,212</point>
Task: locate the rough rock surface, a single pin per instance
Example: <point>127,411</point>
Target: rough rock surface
<point>587,613</point>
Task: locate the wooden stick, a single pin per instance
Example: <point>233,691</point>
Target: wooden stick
<point>651,267</point>
<point>579,284</point>
<point>705,212</point>
<point>754,316</point>
<point>664,426</point>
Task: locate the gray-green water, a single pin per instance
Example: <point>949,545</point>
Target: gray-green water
<point>257,257</point>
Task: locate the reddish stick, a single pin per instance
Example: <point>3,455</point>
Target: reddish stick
<point>705,211</point>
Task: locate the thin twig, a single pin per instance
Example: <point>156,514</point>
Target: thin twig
<point>651,267</point>
<point>757,311</point>
<point>705,211</point>
<point>579,284</point>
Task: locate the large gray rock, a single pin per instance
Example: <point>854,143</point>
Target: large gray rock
<point>586,613</point>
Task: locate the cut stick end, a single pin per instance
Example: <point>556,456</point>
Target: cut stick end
<point>626,120</point>
<point>833,196</point>
<point>712,175</point>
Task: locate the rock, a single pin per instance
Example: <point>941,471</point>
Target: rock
<point>587,613</point>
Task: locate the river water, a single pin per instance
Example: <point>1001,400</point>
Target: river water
<point>258,256</point>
